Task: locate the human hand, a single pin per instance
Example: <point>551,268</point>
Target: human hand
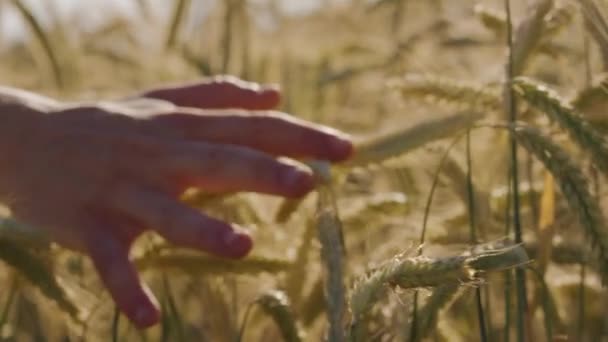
<point>94,178</point>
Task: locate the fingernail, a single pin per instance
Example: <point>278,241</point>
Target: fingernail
<point>270,87</point>
<point>342,148</point>
<point>230,238</point>
<point>239,243</point>
<point>145,317</point>
<point>235,237</point>
<point>293,177</point>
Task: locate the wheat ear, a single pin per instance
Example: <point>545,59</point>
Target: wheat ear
<point>276,305</point>
<point>573,185</point>
<point>579,130</point>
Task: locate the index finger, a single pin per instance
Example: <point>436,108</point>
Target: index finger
<point>220,93</point>
<point>271,132</point>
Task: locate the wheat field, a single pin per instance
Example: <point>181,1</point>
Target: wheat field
<point>472,210</point>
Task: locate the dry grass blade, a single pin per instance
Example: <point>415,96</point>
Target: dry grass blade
<point>245,39</point>
<point>329,232</point>
<point>314,305</point>
<point>598,27</point>
<point>544,298</point>
<point>554,21</point>
<point>276,305</point>
<point>458,178</point>
<point>445,91</point>
<point>196,264</point>
<point>558,19</point>
<point>179,12</point>
<point>546,221</point>
<point>37,271</point>
<point>227,36</point>
<point>591,102</point>
<point>492,19</point>
<point>143,8</point>
<point>199,199</point>
<point>563,253</point>
<point>330,235</point>
<point>374,208</point>
<point>287,208</point>
<point>549,102</point>
<point>398,143</point>
<point>528,35</point>
<point>604,85</point>
<point>296,277</point>
<point>441,297</point>
<point>573,185</point>
<point>44,40</point>
<point>423,271</point>
<point>375,5</point>
<point>501,258</point>
<point>587,99</point>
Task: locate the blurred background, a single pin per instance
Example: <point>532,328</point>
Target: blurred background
<point>369,67</point>
<point>80,50</point>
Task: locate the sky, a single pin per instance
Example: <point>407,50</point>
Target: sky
<point>90,13</point>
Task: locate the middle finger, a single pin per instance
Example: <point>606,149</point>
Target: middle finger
<point>228,168</point>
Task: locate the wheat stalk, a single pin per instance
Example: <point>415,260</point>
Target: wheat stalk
<point>38,272</point>
<point>439,300</point>
<point>44,40</point>
<point>450,92</point>
<point>296,277</point>
<point>227,34</point>
<point>422,271</point>
<point>287,208</point>
<point>196,263</point>
<point>558,19</point>
<point>379,149</point>
<point>528,35</point>
<point>574,187</point>
<point>329,232</point>
<point>553,22</point>
<point>276,305</point>
<point>375,207</point>
<point>492,19</point>
<point>588,98</point>
<point>314,305</point>
<point>199,199</point>
<point>579,130</point>
<point>179,12</point>
<point>596,24</point>
<point>561,253</point>
<point>481,199</point>
<point>330,235</point>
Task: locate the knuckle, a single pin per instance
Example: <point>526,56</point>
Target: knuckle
<point>226,80</point>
